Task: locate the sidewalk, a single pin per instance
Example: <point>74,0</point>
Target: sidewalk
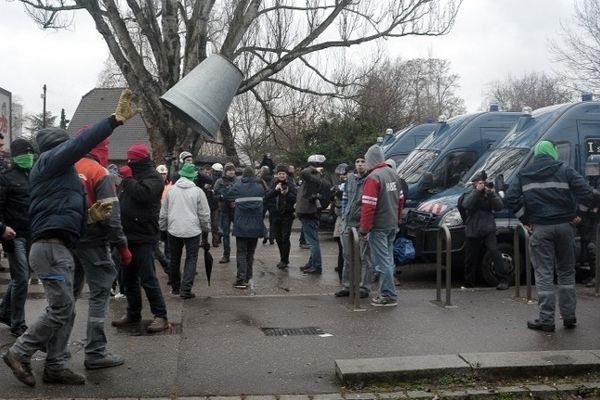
<point>217,347</point>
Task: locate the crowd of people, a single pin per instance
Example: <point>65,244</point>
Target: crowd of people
<point>73,219</point>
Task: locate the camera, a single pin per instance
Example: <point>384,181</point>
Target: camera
<point>316,198</point>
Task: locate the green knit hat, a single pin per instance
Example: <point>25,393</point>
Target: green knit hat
<point>189,171</point>
<point>546,148</point>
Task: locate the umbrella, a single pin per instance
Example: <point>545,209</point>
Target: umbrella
<point>208,263</point>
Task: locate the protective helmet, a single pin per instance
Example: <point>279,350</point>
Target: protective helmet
<point>183,155</point>
<point>217,167</point>
<point>341,169</point>
<point>316,158</point>
<point>162,169</point>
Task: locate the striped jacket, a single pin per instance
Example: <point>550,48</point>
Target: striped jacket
<point>382,200</point>
<point>546,191</point>
<point>248,196</point>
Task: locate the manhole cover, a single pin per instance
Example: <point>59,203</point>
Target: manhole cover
<point>140,329</point>
<point>309,330</point>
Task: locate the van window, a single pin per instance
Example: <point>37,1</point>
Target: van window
<point>416,164</point>
<point>490,136</point>
<point>564,152</point>
<point>449,172</point>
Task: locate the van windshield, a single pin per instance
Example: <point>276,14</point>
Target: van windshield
<point>500,161</point>
<point>416,164</point>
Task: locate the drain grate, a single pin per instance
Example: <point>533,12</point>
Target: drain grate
<point>309,330</point>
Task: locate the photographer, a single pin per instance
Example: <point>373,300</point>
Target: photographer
<point>479,202</point>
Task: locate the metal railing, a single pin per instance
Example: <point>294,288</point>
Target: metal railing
<point>447,237</point>
<point>517,262</point>
<point>355,267</point>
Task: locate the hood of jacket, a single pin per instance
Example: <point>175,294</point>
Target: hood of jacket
<point>542,166</point>
<point>49,138</point>
<point>374,156</point>
<point>184,183</point>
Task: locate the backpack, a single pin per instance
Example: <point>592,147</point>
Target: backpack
<point>404,251</point>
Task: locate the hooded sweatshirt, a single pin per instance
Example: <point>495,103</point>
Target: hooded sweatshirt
<point>382,199</point>
<point>185,212</point>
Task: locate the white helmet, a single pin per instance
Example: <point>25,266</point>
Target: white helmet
<point>183,155</point>
<point>162,169</point>
<point>217,167</point>
<point>316,158</point>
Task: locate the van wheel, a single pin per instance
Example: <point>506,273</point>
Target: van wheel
<point>488,269</point>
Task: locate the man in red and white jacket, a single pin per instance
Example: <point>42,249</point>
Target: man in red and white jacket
<point>382,203</point>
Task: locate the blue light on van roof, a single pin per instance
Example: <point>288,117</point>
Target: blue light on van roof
<point>587,96</point>
<point>494,107</point>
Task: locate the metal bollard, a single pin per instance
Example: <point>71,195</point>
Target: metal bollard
<point>438,286</point>
<point>355,270</point>
<point>517,262</point>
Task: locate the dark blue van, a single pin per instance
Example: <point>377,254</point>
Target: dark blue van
<point>400,144</point>
<point>573,127</point>
<point>440,160</point>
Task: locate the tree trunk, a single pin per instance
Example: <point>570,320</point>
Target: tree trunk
<point>228,142</point>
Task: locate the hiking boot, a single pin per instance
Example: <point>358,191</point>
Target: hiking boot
<point>502,286</point>
<point>158,325</point>
<point>187,295</point>
<point>224,260</point>
<point>342,293</point>
<point>21,370</point>
<point>240,284</point>
<point>62,376</point>
<point>570,323</point>
<point>383,301</point>
<point>108,361</point>
<point>125,321</point>
<point>536,325</point>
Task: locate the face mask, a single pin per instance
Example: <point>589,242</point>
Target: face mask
<point>24,161</point>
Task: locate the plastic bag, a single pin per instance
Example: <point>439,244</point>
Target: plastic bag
<point>404,251</point>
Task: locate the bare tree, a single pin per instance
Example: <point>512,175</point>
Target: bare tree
<point>262,37</point>
<point>534,90</point>
<point>579,49</point>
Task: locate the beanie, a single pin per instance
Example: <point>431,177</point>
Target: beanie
<point>183,155</point>
<point>480,176</point>
<point>359,155</point>
<point>138,152</point>
<point>248,172</point>
<point>20,146</point>
<point>545,148</point>
<point>374,156</point>
<point>229,166</point>
<point>49,138</point>
<point>280,168</point>
<point>189,171</point>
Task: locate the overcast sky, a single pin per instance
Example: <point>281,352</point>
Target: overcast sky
<point>490,40</point>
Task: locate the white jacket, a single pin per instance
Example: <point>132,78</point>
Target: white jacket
<point>185,212</point>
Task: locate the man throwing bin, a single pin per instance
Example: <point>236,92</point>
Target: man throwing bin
<point>543,196</point>
<point>58,219</point>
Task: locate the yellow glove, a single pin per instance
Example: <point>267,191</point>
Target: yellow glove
<point>99,211</point>
<point>124,110</point>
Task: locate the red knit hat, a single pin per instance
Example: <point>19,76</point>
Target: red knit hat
<point>138,152</point>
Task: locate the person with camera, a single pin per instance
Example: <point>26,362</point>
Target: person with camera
<point>479,202</point>
<point>282,195</point>
<point>222,186</point>
<point>308,208</point>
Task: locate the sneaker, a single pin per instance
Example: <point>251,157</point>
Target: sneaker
<point>240,284</point>
<point>119,296</point>
<point>282,265</point>
<point>187,295</point>
<point>591,283</point>
<point>342,293</point>
<point>536,325</point>
<point>271,242</point>
<point>311,271</point>
<point>467,285</point>
<point>18,331</point>
<point>305,267</point>
<point>175,292</point>
<point>158,325</point>
<point>383,301</point>
<point>265,240</point>
<point>125,321</point>
<point>502,286</point>
<point>62,376</point>
<point>21,370</point>
<point>304,246</point>
<point>113,292</point>
<point>224,260</point>
<point>34,281</point>
<point>108,361</point>
<point>570,323</point>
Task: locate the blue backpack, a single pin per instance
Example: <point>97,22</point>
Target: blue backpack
<point>404,251</point>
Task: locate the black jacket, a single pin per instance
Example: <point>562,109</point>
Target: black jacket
<point>480,217</point>
<point>139,197</point>
<point>546,192</point>
<point>14,201</point>
<point>282,204</point>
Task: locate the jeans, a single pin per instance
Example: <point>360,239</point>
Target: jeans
<point>226,221</point>
<point>282,225</point>
<point>97,266</point>
<point>245,248</point>
<point>365,260</point>
<point>141,273</point>
<point>164,259</point>
<point>310,227</point>
<point>54,265</point>
<point>473,249</point>
<point>192,246</point>
<point>270,233</point>
<point>552,245</point>
<point>382,255</point>
<point>13,303</point>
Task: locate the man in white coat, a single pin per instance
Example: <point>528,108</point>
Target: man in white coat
<point>185,214</point>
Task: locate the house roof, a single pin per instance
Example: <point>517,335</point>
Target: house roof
<point>100,103</point>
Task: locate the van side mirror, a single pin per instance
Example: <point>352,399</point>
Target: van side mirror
<point>499,183</point>
<point>426,182</point>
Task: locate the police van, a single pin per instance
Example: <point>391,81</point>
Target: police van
<point>440,160</point>
<point>397,146</point>
<point>573,127</point>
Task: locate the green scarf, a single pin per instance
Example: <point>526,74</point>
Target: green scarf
<point>546,148</point>
<point>24,161</point>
